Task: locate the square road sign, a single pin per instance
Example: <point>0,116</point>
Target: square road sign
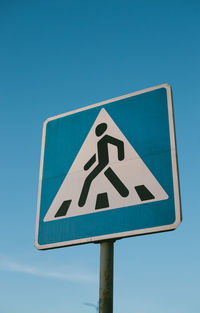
<point>109,171</point>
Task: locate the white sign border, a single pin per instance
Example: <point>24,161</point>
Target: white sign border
<point>174,173</point>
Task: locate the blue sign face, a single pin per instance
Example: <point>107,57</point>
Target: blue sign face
<point>109,171</point>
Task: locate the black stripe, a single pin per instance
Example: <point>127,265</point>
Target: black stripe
<point>63,208</point>
<point>144,193</point>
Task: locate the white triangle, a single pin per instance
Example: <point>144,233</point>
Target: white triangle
<point>131,170</point>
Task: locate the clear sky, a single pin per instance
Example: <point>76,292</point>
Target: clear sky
<point>57,56</point>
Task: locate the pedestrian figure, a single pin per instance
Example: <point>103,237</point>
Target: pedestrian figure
<point>103,161</point>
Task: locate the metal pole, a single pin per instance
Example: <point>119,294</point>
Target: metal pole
<point>106,277</point>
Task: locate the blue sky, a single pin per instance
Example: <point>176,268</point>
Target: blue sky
<point>59,56</point>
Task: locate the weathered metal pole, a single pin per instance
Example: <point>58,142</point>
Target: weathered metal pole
<point>106,277</point>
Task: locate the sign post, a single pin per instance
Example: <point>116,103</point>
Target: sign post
<point>106,277</point>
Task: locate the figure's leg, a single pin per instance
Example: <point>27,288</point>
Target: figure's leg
<point>116,182</point>
<point>87,184</point>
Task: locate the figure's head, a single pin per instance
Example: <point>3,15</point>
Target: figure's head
<point>100,129</point>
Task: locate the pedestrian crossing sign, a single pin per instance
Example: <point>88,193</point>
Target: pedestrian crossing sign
<point>109,171</point>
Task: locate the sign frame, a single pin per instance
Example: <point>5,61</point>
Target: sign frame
<point>114,236</point>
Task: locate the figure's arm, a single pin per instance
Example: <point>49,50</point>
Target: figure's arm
<point>90,162</point>
<point>119,144</point>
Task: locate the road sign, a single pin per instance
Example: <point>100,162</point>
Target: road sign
<point>109,170</point>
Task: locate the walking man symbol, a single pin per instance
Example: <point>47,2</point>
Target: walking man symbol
<point>103,161</point>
